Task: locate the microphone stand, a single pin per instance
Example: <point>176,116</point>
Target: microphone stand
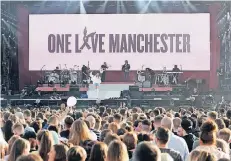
<point>42,74</point>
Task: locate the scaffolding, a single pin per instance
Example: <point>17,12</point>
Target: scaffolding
<point>224,24</point>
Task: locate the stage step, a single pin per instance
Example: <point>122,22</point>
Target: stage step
<point>111,87</point>
<point>107,91</point>
<point>103,94</point>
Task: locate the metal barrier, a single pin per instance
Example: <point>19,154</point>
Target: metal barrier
<point>113,103</point>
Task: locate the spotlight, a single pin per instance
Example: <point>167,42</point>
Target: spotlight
<point>2,19</point>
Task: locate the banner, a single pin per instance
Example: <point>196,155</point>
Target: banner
<point>153,40</point>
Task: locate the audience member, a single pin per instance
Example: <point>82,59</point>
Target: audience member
<point>117,151</point>
<point>130,140</point>
<point>208,140</point>
<point>174,140</point>
<point>68,122</point>
<point>76,153</point>
<point>79,133</point>
<point>162,139</point>
<point>146,151</point>
<point>176,125</point>
<point>20,147</point>
<point>185,131</point>
<point>45,143</point>
<point>58,153</point>
<point>29,157</point>
<point>99,152</point>
<point>201,156</point>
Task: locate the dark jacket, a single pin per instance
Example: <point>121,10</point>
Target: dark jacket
<point>174,154</point>
<point>190,139</point>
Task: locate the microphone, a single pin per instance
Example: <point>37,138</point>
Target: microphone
<point>43,67</point>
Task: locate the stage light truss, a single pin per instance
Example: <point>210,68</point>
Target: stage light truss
<point>224,30</point>
<point>8,47</point>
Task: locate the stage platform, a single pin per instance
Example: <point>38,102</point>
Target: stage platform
<point>104,86</point>
<point>108,90</point>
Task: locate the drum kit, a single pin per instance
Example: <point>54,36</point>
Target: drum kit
<point>65,75</point>
<point>141,75</point>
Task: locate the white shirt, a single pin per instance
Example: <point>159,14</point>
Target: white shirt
<point>178,144</point>
<point>95,79</point>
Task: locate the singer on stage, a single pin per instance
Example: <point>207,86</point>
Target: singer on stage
<point>96,79</point>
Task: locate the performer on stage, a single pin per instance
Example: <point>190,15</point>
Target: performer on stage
<point>126,69</point>
<point>176,71</point>
<point>84,73</point>
<point>57,70</point>
<point>103,69</point>
<point>149,75</point>
<point>96,79</point>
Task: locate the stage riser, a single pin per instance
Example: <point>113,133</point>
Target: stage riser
<point>107,91</point>
<point>111,87</point>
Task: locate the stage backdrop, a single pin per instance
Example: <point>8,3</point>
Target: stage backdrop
<point>153,40</point>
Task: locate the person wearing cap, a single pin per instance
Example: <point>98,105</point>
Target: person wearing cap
<point>185,131</point>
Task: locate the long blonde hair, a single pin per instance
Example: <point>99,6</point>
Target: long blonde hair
<point>201,156</point>
<point>18,148</point>
<point>11,142</point>
<point>45,140</point>
<point>79,132</point>
<point>117,151</point>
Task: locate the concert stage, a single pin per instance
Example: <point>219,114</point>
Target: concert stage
<point>107,90</point>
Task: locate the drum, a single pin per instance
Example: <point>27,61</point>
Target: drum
<point>141,77</point>
<point>53,77</point>
<point>73,76</point>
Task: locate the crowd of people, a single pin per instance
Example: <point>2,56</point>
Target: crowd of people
<point>122,134</point>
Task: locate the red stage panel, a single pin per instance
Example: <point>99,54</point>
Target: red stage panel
<point>157,89</point>
<point>56,87</point>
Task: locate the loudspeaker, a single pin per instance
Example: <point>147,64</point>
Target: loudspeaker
<point>147,84</point>
<point>139,84</point>
<point>74,88</point>
<point>136,95</point>
<point>83,96</point>
<point>198,103</point>
<point>134,88</point>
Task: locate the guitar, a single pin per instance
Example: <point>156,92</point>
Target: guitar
<point>104,69</point>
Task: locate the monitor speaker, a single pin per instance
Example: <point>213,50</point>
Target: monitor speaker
<point>147,84</point>
<point>136,95</point>
<point>133,88</point>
